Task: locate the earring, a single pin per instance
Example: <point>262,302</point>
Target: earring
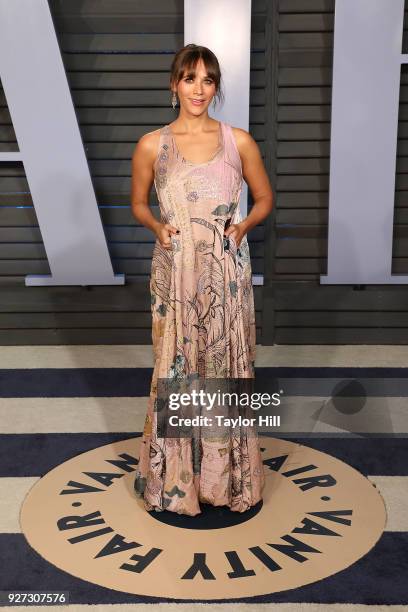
<point>174,100</point>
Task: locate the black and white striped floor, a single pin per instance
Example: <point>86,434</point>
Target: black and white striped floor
<point>348,401</point>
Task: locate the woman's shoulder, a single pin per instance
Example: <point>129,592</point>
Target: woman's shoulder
<point>240,133</point>
<point>242,138</point>
<point>150,138</point>
<point>148,143</point>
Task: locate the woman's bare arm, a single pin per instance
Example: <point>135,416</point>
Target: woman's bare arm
<point>143,158</point>
<point>254,173</point>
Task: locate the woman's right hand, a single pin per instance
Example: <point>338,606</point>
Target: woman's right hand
<point>163,233</point>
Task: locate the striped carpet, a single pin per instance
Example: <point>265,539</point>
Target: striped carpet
<point>350,402</point>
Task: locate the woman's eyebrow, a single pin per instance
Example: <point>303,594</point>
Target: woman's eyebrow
<point>206,76</point>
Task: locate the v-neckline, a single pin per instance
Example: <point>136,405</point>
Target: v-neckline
<point>217,151</point>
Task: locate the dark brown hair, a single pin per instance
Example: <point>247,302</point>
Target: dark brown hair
<point>185,61</point>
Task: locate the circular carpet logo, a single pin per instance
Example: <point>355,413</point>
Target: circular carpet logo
<point>317,517</point>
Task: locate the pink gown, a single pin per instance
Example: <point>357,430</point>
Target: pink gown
<point>203,323</point>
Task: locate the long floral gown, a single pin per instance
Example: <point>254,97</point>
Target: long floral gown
<point>203,324</point>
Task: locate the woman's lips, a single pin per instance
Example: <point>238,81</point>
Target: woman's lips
<point>197,102</point>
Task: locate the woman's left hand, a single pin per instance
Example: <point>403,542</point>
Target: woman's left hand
<point>237,230</point>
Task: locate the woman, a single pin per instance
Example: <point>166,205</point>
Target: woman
<point>201,287</point>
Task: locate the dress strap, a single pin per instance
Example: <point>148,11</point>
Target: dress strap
<point>231,149</point>
<point>162,159</point>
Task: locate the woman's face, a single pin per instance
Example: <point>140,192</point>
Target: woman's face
<point>198,87</point>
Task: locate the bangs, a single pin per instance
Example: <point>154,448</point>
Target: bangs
<point>188,62</point>
<point>190,72</point>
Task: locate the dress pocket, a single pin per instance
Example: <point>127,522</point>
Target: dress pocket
<point>227,238</point>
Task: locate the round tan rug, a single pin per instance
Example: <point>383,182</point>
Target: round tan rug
<point>318,516</point>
